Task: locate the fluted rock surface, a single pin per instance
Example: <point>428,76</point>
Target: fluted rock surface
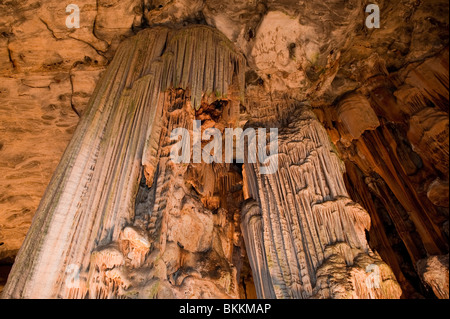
<point>382,95</point>
<point>312,233</point>
<point>80,228</point>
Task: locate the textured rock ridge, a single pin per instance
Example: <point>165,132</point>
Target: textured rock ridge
<point>381,94</point>
<point>434,271</point>
<point>312,233</point>
<point>397,167</point>
<point>91,198</point>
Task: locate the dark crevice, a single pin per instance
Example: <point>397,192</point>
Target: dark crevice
<point>71,95</point>
<point>10,57</point>
<point>5,269</point>
<point>244,288</point>
<point>51,31</point>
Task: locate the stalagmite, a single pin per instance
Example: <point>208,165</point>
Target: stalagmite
<point>312,233</point>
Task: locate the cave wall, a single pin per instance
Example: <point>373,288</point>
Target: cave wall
<point>382,95</point>
<point>392,134</point>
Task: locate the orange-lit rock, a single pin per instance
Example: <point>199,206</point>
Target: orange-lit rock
<point>357,116</point>
<point>123,222</point>
<point>434,271</point>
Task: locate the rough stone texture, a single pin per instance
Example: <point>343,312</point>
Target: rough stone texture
<point>320,53</point>
<point>428,134</point>
<point>314,244</point>
<point>172,247</point>
<point>438,193</point>
<point>357,116</point>
<point>434,271</point>
<point>37,123</point>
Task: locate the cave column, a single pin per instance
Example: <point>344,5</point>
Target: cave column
<point>307,239</point>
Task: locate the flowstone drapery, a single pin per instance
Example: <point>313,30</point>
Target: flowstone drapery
<point>119,220</point>
<point>304,235</point>
<point>84,224</point>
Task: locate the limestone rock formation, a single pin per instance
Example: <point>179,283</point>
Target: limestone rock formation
<point>174,242</point>
<point>438,193</point>
<point>356,116</point>
<point>111,91</point>
<point>94,188</point>
<point>312,234</point>
<point>434,273</point>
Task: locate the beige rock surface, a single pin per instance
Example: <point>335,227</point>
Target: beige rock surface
<point>315,51</point>
<point>357,116</point>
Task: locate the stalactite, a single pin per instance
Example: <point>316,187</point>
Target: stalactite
<point>429,134</point>
<point>425,82</point>
<point>203,61</point>
<point>379,240</point>
<point>312,233</point>
<point>251,222</point>
<point>404,161</point>
<point>377,157</point>
<point>91,197</point>
<point>357,116</point>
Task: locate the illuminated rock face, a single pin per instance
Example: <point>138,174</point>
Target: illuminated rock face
<point>434,271</point>
<point>92,238</point>
<point>86,239</point>
<point>306,236</point>
<point>381,94</point>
